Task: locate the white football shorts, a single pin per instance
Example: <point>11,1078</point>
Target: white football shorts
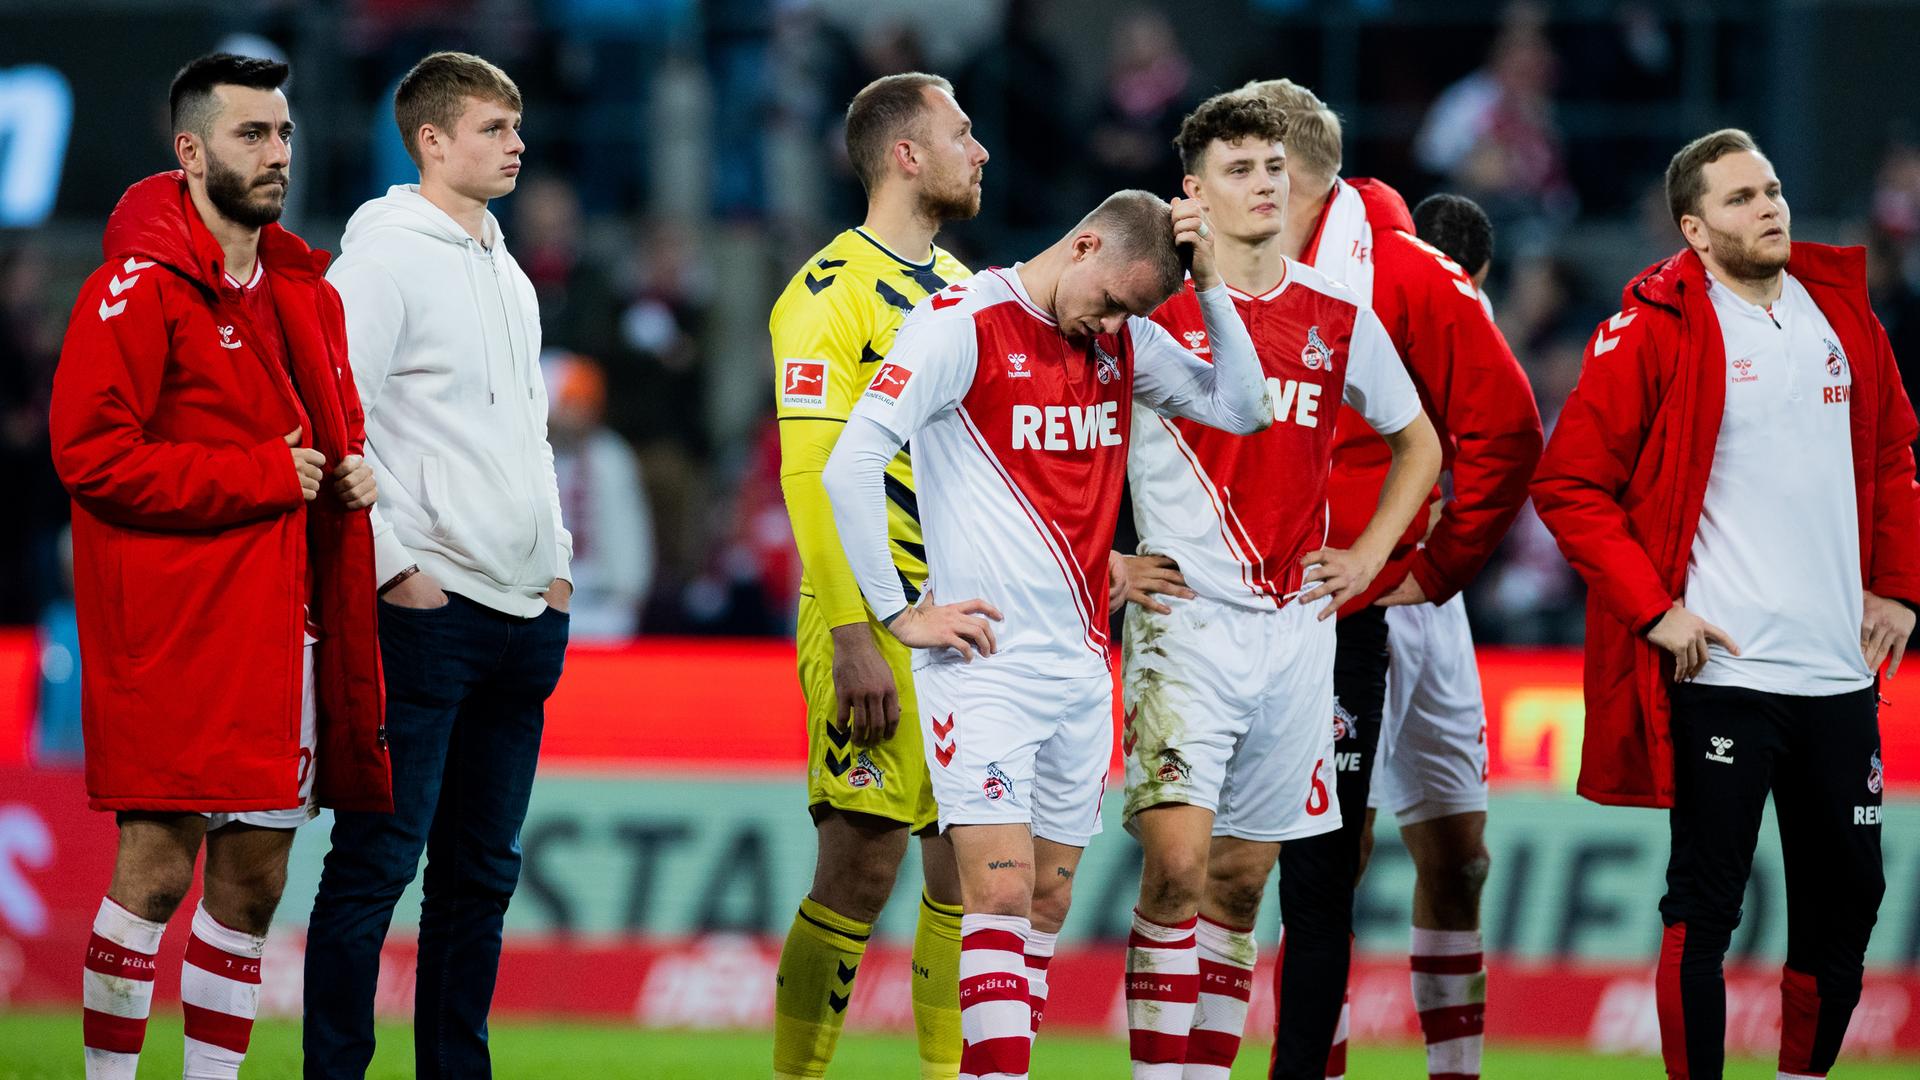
<point>1433,737</point>
<point>1232,709</point>
<point>1009,747</point>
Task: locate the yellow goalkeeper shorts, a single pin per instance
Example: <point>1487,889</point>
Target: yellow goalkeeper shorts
<point>888,780</point>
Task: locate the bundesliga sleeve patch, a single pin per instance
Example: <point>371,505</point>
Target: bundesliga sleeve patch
<point>888,382</point>
<point>803,384</point>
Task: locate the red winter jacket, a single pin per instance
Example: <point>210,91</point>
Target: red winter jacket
<point>190,537</point>
<point>1473,390</point>
<point>1625,475</point>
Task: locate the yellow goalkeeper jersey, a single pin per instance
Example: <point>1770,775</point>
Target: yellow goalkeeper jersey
<point>830,328</point>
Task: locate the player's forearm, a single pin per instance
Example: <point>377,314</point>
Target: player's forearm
<point>855,481</point>
<point>1490,477</point>
<point>1416,465</point>
<point>821,553</point>
<point>151,484</point>
<point>1237,399</point>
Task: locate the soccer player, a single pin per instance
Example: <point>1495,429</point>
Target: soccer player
<point>207,427</point>
<point>1015,388</point>
<point>1433,761</point>
<point>913,149</point>
<point>474,576</point>
<point>1732,477</point>
<point>1228,750</point>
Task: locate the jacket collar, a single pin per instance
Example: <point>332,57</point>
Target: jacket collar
<point>1668,282</point>
<point>156,220</point>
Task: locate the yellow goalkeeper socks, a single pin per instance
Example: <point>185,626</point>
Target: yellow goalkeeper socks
<point>814,984</point>
<point>936,989</point>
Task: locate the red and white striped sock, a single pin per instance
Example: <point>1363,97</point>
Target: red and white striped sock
<point>220,994</point>
<point>1039,954</point>
<point>1227,957</point>
<point>1163,984</point>
<point>1337,1057</point>
<point>1450,993</point>
<point>996,1013</point>
<point>117,990</point>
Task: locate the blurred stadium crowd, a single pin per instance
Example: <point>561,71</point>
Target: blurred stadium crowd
<point>684,156</point>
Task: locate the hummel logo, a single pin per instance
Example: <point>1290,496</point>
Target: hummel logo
<point>1602,344</point>
<point>943,745</point>
<point>1719,753</point>
<point>226,338</point>
<point>948,297</point>
<point>1196,340</point>
<point>1017,366</point>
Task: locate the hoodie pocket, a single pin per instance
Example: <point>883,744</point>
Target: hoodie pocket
<point>475,517</point>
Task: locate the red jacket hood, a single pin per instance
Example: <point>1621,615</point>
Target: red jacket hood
<point>156,220</point>
<point>1664,283</point>
<point>1385,206</point>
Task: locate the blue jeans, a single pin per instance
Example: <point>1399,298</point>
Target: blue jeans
<point>466,696</point>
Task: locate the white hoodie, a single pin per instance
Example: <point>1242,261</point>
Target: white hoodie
<point>444,336</point>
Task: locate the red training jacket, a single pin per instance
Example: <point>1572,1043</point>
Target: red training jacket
<point>190,536</point>
<point>1625,475</point>
<point>1473,390</point>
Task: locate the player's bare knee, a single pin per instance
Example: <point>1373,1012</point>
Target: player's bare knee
<point>1049,911</point>
<point>1008,896</point>
<point>1459,881</point>
<point>1237,898</point>
<point>1474,872</point>
<point>859,860</point>
<point>246,898</point>
<point>1052,896</point>
<point>1171,884</point>
<point>155,900</point>
<point>154,889</point>
<point>858,893</point>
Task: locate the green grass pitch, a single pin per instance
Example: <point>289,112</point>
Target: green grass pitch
<point>45,1046</point>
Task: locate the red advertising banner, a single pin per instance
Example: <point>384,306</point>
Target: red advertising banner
<point>733,706</point>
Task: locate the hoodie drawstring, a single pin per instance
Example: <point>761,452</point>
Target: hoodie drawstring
<point>473,291</point>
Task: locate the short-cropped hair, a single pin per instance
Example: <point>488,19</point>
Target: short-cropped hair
<point>190,101</point>
<point>436,92</point>
<point>1687,172</point>
<point>1137,227</point>
<point>1458,227</point>
<point>886,110</point>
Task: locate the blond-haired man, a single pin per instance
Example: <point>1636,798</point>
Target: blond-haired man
<point>473,569</point>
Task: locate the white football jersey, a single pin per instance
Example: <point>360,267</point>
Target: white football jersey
<point>1019,437</point>
<point>1238,512</point>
